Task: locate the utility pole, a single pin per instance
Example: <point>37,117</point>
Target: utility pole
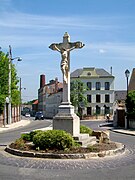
<point>20,97</point>
<point>10,59</point>
<point>9,86</point>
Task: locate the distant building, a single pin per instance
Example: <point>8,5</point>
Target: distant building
<point>132,81</point>
<point>100,93</point>
<point>119,99</point>
<point>120,95</point>
<point>45,91</point>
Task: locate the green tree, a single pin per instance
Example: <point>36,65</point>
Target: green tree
<point>130,103</point>
<point>77,95</point>
<point>4,74</point>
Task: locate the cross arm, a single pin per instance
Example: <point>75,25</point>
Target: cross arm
<point>77,45</point>
<point>55,46</point>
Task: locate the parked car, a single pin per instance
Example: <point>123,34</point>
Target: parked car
<point>27,115</point>
<point>39,115</point>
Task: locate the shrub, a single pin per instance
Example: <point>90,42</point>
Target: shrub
<point>20,143</point>
<point>85,129</point>
<point>53,139</point>
<point>130,103</point>
<point>33,133</point>
<point>26,136</point>
<point>29,136</point>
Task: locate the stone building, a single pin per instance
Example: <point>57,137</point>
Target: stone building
<point>53,101</point>
<point>100,93</point>
<point>47,90</point>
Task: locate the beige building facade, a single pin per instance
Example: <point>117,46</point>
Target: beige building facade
<point>100,93</point>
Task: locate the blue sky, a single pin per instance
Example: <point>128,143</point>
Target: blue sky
<point>106,27</point>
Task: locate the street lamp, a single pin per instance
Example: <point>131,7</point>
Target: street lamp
<point>9,83</point>
<point>127,73</point>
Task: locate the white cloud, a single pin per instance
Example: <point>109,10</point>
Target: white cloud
<point>102,51</point>
<point>126,51</point>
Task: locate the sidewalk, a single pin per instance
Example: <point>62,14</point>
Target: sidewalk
<point>15,125</point>
<point>124,131</point>
<point>118,130</point>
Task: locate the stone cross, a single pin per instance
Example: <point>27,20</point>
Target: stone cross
<point>64,48</point>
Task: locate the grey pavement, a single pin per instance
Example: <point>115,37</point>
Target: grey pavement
<point>22,123</point>
<point>27,121</point>
<point>15,125</point>
<point>119,167</point>
<point>118,130</point>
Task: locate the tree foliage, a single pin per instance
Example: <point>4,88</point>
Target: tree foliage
<point>77,94</point>
<point>130,103</point>
<point>4,75</point>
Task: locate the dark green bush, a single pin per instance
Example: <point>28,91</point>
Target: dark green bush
<point>26,136</point>
<point>33,133</point>
<point>85,129</point>
<point>29,136</point>
<point>130,103</point>
<point>53,139</point>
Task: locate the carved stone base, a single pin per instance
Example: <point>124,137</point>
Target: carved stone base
<point>67,120</point>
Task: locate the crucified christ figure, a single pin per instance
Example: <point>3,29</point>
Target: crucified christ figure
<point>64,60</point>
<point>64,49</point>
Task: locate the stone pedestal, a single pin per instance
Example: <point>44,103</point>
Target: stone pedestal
<point>67,120</point>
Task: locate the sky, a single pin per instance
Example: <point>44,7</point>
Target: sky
<point>106,27</point>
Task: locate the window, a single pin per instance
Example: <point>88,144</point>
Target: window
<point>107,86</point>
<point>107,110</point>
<point>89,85</point>
<point>98,98</point>
<point>97,110</point>
<point>107,98</point>
<point>89,98</point>
<point>89,74</point>
<point>98,85</point>
<point>88,110</point>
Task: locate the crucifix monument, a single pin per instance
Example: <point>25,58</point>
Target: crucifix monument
<point>66,119</point>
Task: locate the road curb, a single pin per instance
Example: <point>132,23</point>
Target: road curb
<point>122,132</point>
<point>119,150</point>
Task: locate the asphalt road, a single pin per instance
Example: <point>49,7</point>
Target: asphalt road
<point>120,167</point>
<point>12,134</point>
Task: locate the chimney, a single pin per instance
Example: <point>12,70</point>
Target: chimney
<point>56,84</point>
<point>111,70</point>
<point>42,80</point>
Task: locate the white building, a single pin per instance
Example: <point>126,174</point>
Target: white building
<point>100,93</point>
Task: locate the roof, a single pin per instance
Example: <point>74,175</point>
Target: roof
<point>90,72</point>
<point>76,73</point>
<point>35,102</point>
